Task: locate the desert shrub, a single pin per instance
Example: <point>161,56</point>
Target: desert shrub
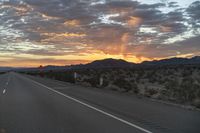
<point>94,81</point>
<point>122,83</point>
<point>171,85</point>
<point>196,103</point>
<point>186,72</point>
<point>161,81</point>
<point>135,88</point>
<point>62,76</point>
<point>185,93</point>
<point>152,79</point>
<point>165,93</point>
<point>2,72</point>
<point>172,88</point>
<point>150,92</point>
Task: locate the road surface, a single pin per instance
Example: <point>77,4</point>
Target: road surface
<point>37,105</point>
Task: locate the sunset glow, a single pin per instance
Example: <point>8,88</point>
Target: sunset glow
<point>58,32</point>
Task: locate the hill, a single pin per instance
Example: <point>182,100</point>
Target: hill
<point>107,63</point>
<point>174,61</point>
<point>3,69</point>
<point>112,63</point>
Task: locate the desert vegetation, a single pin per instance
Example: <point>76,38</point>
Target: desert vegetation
<point>178,84</point>
<point>2,73</point>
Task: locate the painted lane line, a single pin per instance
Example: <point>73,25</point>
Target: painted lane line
<point>94,108</point>
<point>8,80</point>
<point>4,91</point>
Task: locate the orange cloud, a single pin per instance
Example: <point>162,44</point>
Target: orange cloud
<point>73,35</point>
<point>67,34</point>
<point>125,40</point>
<point>165,29</point>
<point>20,9</point>
<point>57,37</point>
<point>72,23</point>
<point>134,21</point>
<point>38,62</point>
<point>47,17</point>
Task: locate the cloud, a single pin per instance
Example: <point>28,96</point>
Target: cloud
<point>24,62</point>
<point>194,14</point>
<point>77,27</point>
<point>193,10</point>
<point>186,47</point>
<point>173,4</point>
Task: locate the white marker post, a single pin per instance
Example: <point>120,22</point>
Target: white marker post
<point>75,76</point>
<point>101,81</point>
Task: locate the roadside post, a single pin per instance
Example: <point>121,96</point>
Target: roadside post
<point>75,77</point>
<point>101,81</point>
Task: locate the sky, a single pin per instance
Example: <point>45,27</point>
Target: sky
<point>64,32</point>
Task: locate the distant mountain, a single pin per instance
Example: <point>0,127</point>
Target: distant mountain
<point>107,63</point>
<point>44,68</point>
<point>174,61</point>
<point>111,63</point>
<point>3,69</point>
<point>51,67</point>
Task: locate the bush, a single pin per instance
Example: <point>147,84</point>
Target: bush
<point>122,83</point>
<point>150,92</point>
<point>196,103</point>
<point>135,88</point>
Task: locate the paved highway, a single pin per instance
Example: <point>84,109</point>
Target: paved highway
<point>37,105</point>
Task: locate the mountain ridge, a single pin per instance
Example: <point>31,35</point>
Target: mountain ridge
<point>112,63</point>
<point>173,61</point>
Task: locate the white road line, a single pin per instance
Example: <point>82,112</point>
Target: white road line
<point>8,81</point>
<point>4,91</point>
<point>94,108</point>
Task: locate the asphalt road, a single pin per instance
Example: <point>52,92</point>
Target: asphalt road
<point>37,105</point>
